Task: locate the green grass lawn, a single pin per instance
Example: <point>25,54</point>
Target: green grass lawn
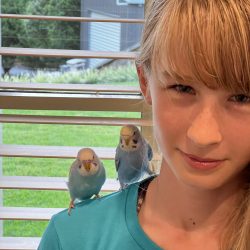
<point>61,135</point>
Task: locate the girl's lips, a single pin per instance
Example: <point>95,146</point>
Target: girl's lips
<point>201,163</point>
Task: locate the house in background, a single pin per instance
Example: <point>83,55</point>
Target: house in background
<point>98,36</point>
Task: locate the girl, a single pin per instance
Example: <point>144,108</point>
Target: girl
<point>194,69</point>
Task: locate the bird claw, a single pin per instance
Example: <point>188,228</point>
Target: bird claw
<point>97,196</point>
<point>123,186</point>
<point>71,205</point>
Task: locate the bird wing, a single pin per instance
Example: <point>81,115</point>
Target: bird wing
<point>76,161</point>
<point>102,170</point>
<point>150,152</point>
<point>117,159</point>
<point>71,167</point>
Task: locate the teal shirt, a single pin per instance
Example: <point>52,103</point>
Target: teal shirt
<point>108,223</point>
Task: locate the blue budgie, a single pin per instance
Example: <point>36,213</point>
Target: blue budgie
<point>133,154</point>
<point>86,176</point>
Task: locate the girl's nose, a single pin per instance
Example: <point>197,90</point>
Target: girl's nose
<point>204,129</point>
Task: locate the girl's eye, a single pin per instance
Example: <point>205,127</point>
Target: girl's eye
<point>182,89</point>
<point>241,99</point>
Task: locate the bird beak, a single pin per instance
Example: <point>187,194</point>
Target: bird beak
<point>87,166</point>
<point>127,141</point>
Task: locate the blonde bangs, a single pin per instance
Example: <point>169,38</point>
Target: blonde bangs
<point>205,41</point>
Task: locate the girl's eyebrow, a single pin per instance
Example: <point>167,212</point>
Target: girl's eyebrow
<point>168,77</point>
<point>165,73</point>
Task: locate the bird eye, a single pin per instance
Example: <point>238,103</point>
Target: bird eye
<point>135,141</point>
<point>79,166</point>
<point>134,133</point>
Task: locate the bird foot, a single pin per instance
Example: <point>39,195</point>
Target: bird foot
<point>71,205</point>
<point>123,186</point>
<point>97,196</point>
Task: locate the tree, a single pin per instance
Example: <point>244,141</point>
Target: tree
<point>52,34</point>
<point>11,28</point>
<point>43,34</point>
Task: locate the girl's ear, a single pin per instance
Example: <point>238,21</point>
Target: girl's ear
<point>144,84</point>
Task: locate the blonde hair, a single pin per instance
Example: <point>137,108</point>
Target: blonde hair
<point>204,41</point>
<point>210,37</point>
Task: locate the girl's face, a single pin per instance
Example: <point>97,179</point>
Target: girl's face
<point>203,133</point>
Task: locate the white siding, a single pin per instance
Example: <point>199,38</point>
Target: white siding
<point>103,37</point>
